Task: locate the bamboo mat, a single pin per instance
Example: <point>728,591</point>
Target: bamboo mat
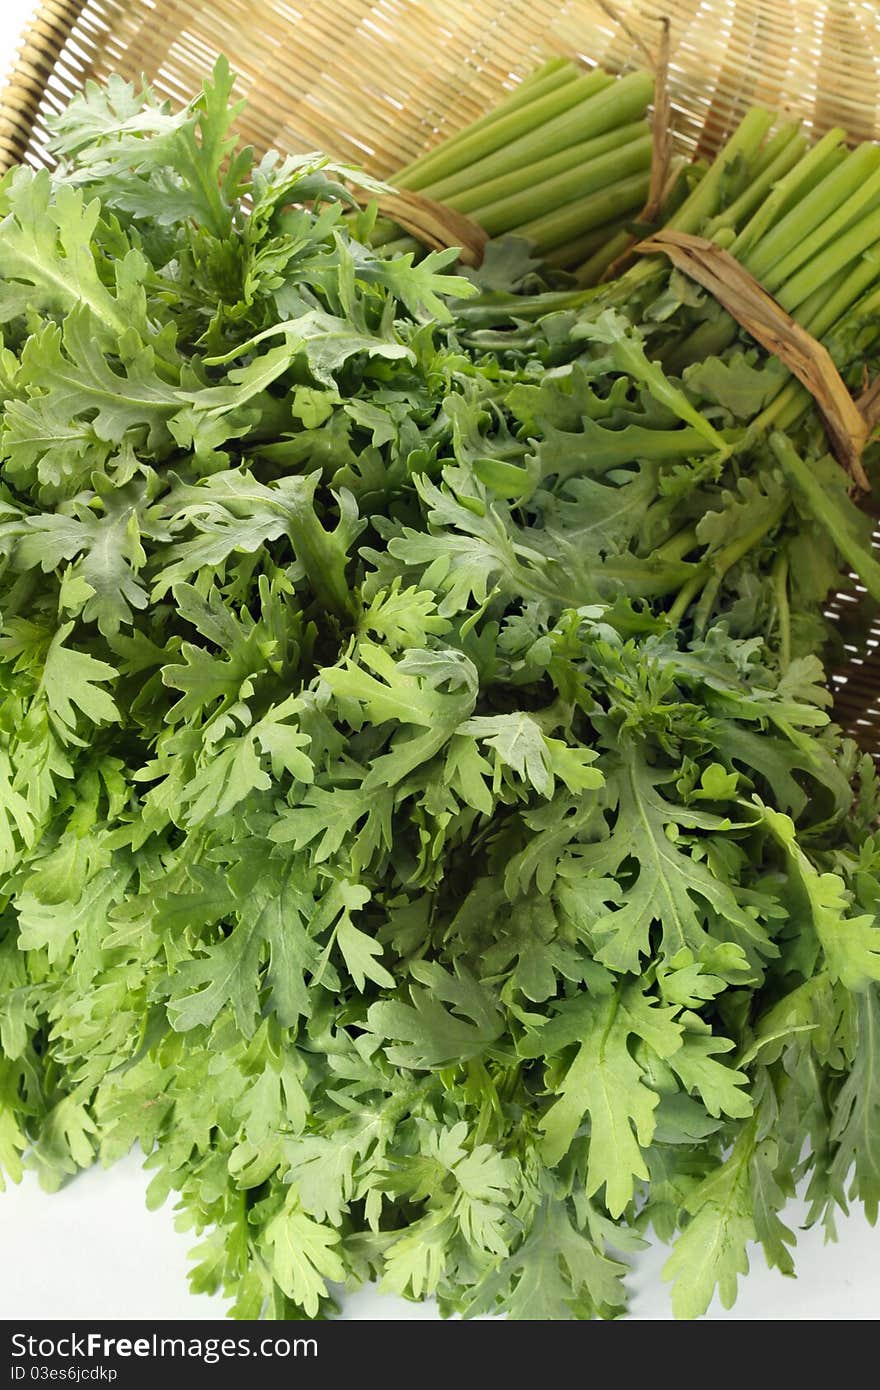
<point>379,81</point>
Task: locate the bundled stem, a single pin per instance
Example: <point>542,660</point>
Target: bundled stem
<point>557,140</point>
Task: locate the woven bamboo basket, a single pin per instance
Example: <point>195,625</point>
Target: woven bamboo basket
<point>377,82</point>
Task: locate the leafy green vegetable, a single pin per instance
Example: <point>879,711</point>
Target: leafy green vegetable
<point>421,824</point>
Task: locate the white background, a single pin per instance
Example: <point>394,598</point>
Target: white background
<point>93,1249</point>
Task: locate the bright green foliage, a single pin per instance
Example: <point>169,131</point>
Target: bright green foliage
<point>421,824</point>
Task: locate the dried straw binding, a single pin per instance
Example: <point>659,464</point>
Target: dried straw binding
<point>378,82</point>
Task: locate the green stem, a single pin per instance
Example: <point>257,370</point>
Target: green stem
<point>490,310</point>
<point>384,232</point>
<point>708,339</point>
<point>713,335</point>
<point>686,596</point>
<point>544,172</point>
<point>794,186</point>
<point>846,296</point>
<point>556,73</point>
<point>704,201</point>
<point>604,108</point>
<point>783,608</point>
<point>712,572</point>
<point>565,223</point>
<point>736,550</point>
<point>751,198</point>
<point>821,303</point>
<point>769,152</point>
<point>835,257</point>
<point>678,545</point>
<point>549,77</point>
<point>781,412</point>
<point>592,270</point>
<point>540,74</point>
<point>864,198</point>
<point>535,207</point>
<point>575,253</point>
<point>741,147</point>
